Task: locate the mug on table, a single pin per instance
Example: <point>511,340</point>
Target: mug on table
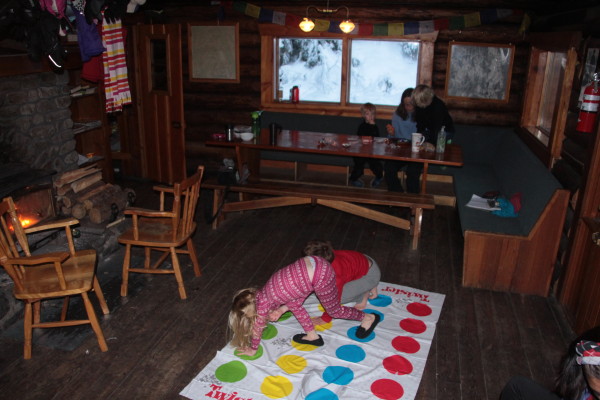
<point>417,141</point>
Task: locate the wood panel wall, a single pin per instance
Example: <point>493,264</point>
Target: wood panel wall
<point>208,106</point>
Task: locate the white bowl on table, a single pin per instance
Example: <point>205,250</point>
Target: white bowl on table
<point>239,129</point>
<point>246,136</point>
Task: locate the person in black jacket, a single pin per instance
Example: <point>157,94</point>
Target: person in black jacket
<point>431,115</point>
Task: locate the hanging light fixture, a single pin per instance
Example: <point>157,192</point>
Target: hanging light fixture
<point>308,24</point>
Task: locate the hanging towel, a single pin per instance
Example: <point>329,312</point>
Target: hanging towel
<point>116,86</point>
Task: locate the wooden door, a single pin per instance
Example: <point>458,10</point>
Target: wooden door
<point>159,87</point>
<point>580,292</point>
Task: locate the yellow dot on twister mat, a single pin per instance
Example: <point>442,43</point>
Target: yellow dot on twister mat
<point>324,327</point>
<point>276,387</point>
<point>303,347</point>
<point>291,363</point>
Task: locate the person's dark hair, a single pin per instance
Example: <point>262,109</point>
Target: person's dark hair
<point>401,110</point>
<point>571,382</point>
<point>319,248</point>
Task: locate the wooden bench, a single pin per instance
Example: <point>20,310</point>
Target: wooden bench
<point>338,197</point>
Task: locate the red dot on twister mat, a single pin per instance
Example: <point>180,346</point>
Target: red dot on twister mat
<point>419,309</point>
<point>406,344</point>
<point>397,365</point>
<point>387,389</point>
<point>413,325</point>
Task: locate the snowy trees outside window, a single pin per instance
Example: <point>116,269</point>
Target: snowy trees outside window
<point>379,70</point>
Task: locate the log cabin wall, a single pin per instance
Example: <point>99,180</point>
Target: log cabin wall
<point>209,106</point>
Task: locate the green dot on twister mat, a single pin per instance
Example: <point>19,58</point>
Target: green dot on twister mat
<point>270,332</point>
<point>258,354</point>
<point>285,315</point>
<point>232,371</point>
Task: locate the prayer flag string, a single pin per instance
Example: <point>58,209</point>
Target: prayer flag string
<point>470,20</point>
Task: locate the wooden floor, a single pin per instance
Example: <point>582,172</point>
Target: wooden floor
<point>158,343</point>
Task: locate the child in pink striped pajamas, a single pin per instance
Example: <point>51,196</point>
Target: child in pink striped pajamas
<point>287,289</point>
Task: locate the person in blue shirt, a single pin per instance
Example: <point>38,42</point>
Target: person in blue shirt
<point>402,127</point>
<point>579,377</point>
<point>403,121</point>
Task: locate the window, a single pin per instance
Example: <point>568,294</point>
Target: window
<point>380,70</point>
<point>553,78</point>
<point>338,73</point>
<point>314,65</point>
<point>546,99</point>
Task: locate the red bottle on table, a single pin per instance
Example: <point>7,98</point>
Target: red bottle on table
<point>295,94</point>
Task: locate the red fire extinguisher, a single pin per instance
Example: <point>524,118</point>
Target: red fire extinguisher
<point>589,108</point>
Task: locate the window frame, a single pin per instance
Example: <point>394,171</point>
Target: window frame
<point>269,33</point>
<point>547,144</point>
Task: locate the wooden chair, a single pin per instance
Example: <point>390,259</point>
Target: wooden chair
<point>47,276</point>
<point>164,231</point>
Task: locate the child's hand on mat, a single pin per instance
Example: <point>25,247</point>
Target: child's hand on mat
<point>245,351</point>
<point>274,315</point>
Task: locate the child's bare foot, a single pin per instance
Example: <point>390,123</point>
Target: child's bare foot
<point>367,320</point>
<point>373,293</point>
<point>318,321</point>
<point>368,324</point>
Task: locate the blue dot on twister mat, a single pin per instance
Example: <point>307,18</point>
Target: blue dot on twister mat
<point>338,375</point>
<point>381,301</point>
<point>351,353</point>
<point>322,394</point>
<point>352,335</point>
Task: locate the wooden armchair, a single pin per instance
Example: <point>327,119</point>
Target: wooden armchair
<point>48,276</point>
<point>164,231</point>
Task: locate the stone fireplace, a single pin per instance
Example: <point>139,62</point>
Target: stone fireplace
<point>35,121</point>
<point>37,145</point>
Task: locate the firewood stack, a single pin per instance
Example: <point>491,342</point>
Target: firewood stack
<point>81,192</point>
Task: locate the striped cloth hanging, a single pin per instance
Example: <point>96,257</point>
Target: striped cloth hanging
<point>116,86</point>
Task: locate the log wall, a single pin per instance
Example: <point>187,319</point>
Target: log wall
<point>209,106</point>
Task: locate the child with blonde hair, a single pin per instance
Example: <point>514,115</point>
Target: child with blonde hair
<point>289,287</point>
<point>367,128</point>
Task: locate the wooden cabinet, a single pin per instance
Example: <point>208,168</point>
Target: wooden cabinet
<point>91,125</point>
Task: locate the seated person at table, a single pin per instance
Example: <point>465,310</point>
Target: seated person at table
<point>430,115</point>
<point>356,275</point>
<point>289,287</point>
<point>402,127</point>
<point>367,128</point>
<point>403,120</point>
<point>579,377</point>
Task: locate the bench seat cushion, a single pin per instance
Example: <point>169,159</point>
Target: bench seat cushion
<point>478,179</point>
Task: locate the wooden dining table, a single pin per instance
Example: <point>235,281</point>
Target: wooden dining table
<point>249,152</point>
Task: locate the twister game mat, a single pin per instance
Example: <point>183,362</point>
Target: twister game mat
<point>388,364</point>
